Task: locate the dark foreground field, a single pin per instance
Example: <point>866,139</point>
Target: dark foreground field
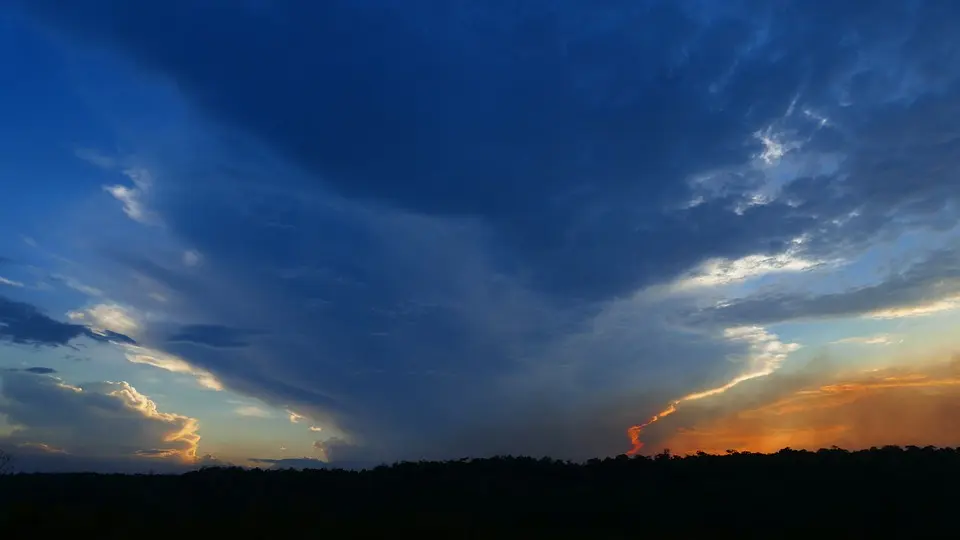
<point>888,492</point>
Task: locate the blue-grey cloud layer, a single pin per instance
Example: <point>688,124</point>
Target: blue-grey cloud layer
<point>935,278</point>
<point>447,197</point>
<point>25,324</point>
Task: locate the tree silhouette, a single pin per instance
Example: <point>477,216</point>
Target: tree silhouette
<point>6,463</point>
<point>830,493</point>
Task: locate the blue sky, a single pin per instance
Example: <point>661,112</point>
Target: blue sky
<point>355,231</point>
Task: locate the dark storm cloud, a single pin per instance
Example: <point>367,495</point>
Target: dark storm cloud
<point>501,172</point>
<point>935,278</point>
<point>567,127</point>
<point>24,324</point>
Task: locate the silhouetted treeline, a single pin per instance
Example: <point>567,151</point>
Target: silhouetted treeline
<point>881,492</point>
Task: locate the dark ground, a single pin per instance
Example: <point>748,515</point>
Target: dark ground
<point>886,492</point>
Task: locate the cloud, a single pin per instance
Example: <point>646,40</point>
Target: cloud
<point>213,335</point>
<point>107,317</point>
<point>916,310</point>
<point>159,359</point>
<point>877,339</point>
<point>252,411</point>
<point>42,447</point>
<point>132,198</point>
<point>719,271</point>
<point>25,324</point>
<point>191,257</point>
<point>40,370</point>
<point>95,158</point>
<point>97,419</point>
<point>77,285</point>
<point>928,286</point>
<point>576,196</point>
<point>10,282</point>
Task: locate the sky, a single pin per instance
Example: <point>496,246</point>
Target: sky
<point>343,233</point>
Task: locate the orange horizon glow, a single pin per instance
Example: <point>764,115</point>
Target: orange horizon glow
<point>634,432</point>
<point>868,409</point>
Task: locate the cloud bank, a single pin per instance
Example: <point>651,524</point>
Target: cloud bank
<point>98,420</point>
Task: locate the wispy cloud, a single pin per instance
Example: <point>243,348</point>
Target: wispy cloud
<point>916,310</point>
<point>132,198</point>
<point>253,411</point>
<point>191,257</point>
<point>96,158</point>
<point>77,285</point>
<point>876,339</point>
<point>10,282</point>
<point>721,271</point>
<point>112,317</point>
<point>169,362</point>
<point>765,354</point>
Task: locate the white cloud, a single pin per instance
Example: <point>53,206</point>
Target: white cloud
<point>112,317</point>
<point>10,282</point>
<point>774,146</point>
<point>132,197</point>
<point>95,158</point>
<point>122,320</point>
<point>252,411</point>
<point>191,257</point>
<point>877,339</point>
<point>718,272</point>
<point>159,359</point>
<point>140,177</point>
<point>294,417</point>
<point>916,310</point>
<point>765,352</point>
<point>77,285</point>
<point>316,428</point>
<point>43,447</point>
<point>98,418</point>
<point>781,160</point>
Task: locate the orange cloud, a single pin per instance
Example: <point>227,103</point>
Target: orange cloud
<point>872,409</point>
